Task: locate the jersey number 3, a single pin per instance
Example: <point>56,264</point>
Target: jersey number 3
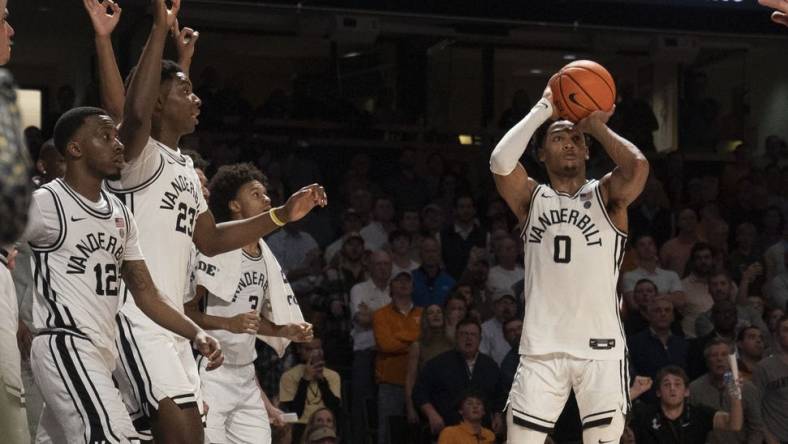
<point>562,252</point>
<point>185,213</point>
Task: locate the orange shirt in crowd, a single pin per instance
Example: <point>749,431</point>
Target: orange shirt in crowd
<point>394,332</point>
<point>463,433</point>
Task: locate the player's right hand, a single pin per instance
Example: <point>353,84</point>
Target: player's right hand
<point>103,23</point>
<point>163,16</point>
<point>436,423</point>
<point>210,348</point>
<point>247,322</point>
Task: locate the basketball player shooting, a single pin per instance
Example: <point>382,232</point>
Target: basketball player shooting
<point>574,231</point>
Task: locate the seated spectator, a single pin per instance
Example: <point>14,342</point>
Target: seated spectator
<point>512,331</point>
<point>774,256</point>
<point>396,327</point>
<point>657,347</point>
<point>673,420</point>
<point>745,251</point>
<point>770,377</point>
<point>494,344</point>
<point>346,268</point>
<point>749,345</point>
<point>322,435</point>
<point>447,375</point>
<point>722,289</point>
<point>433,341</point>
<point>295,250</point>
<point>507,272</point>
<point>322,417</point>
<point>457,239</point>
<point>771,316</point>
<point>400,247</point>
<point>710,390</point>
<point>667,282</point>
<point>675,253</point>
<point>644,293</point>
<point>309,386</point>
<point>432,220</point>
<point>724,318</point>
<point>455,310</point>
<point>777,288</point>
<point>351,223</point>
<point>376,232</point>
<point>696,287</point>
<point>431,282</point>
<point>470,430</point>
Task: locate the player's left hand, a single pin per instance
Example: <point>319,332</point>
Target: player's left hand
<point>299,332</point>
<point>185,40</point>
<point>275,417</point>
<point>594,120</point>
<point>780,14</point>
<point>103,23</point>
<point>210,348</point>
<point>302,201</point>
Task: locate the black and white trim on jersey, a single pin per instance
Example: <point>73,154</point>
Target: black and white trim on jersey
<point>146,183</point>
<point>91,211</point>
<point>58,315</point>
<point>62,226</point>
<point>134,366</point>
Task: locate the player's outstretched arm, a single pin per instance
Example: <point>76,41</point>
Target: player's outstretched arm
<point>144,87</point>
<point>185,40</point>
<point>627,180</point>
<point>510,176</point>
<point>111,89</point>
<point>212,239</point>
<point>242,323</point>
<point>137,278</point>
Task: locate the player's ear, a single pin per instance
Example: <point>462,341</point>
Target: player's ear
<point>234,206</point>
<point>73,149</point>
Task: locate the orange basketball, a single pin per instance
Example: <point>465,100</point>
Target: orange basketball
<point>581,88</point>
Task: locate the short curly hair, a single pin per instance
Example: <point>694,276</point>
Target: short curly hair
<point>225,184</point>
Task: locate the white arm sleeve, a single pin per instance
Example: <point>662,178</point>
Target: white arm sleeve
<point>512,146</point>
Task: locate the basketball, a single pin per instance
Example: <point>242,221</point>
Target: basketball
<point>581,88</point>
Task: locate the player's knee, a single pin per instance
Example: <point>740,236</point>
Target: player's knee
<point>175,424</point>
<point>609,433</point>
<point>518,434</point>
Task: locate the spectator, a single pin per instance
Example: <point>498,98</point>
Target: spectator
<point>50,164</point>
<point>346,269</point>
<point>777,288</point>
<point>475,279</point>
<point>374,292</point>
<point>432,220</point>
<point>770,378</point>
<point>456,309</point>
<point>774,256</point>
<point>410,223</point>
<point>650,214</point>
<point>771,317</point>
<point>645,292</point>
<point>512,331</point>
<point>470,430</point>
<point>744,251</point>
<point>309,386</point>
<point>657,347</point>
<point>322,435</point>
<point>673,420</point>
<point>676,252</point>
<point>351,223</point>
<point>750,346</point>
<point>400,246</point>
<point>494,344</point>
<point>407,187</point>
<point>294,249</point>
<point>450,373</point>
<point>431,282</point>
<point>335,327</point>
<point>771,227</point>
<point>457,240</point>
<point>710,389</point>
<point>667,281</point>
<point>396,327</point>
<point>507,272</point>
<point>376,232</point>
<point>724,318</point>
<point>696,286</point>
<point>721,289</point>
<point>322,417</point>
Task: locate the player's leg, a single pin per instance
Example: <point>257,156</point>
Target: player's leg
<point>82,403</point>
<point>602,391</point>
<point>220,391</point>
<point>248,423</point>
<point>540,389</point>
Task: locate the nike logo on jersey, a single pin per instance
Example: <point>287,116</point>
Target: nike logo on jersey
<point>170,162</point>
<point>604,442</point>
<point>76,219</point>
<point>545,195</point>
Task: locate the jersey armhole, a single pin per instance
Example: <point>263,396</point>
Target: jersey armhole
<point>62,226</point>
<point>598,193</point>
<point>530,209</point>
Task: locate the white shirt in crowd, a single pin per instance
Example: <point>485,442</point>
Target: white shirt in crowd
<point>493,342</point>
<point>500,278</point>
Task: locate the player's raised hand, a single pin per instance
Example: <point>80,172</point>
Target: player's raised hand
<point>548,94</point>
<point>247,322</point>
<point>185,40</point>
<point>164,16</point>
<point>596,118</point>
<point>780,14</point>
<point>104,15</point>
<point>210,348</point>
<point>302,201</point>
<point>299,332</point>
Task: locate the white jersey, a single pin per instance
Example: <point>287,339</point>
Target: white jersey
<point>78,250</point>
<point>163,192</point>
<point>251,293</point>
<point>572,256</point>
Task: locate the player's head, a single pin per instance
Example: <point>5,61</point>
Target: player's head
<point>645,247</point>
<point>512,330</point>
<point>50,163</point>
<point>88,140</point>
<point>563,148</point>
<point>716,354</point>
<point>471,406</point>
<point>177,107</point>
<point>749,342</point>
<point>720,286</point>
<point>672,386</point>
<point>644,293</point>
<point>468,336</point>
<point>238,192</point>
<point>6,34</point>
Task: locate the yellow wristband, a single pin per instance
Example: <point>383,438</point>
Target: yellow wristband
<point>275,219</point>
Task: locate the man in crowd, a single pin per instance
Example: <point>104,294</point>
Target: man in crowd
<point>494,344</point>
<point>458,239</point>
<point>431,282</point>
<point>771,379</point>
<point>667,282</point>
<point>696,286</point>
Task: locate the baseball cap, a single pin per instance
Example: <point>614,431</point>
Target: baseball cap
<point>502,293</point>
<point>353,235</point>
<point>402,273</point>
<point>322,433</point>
